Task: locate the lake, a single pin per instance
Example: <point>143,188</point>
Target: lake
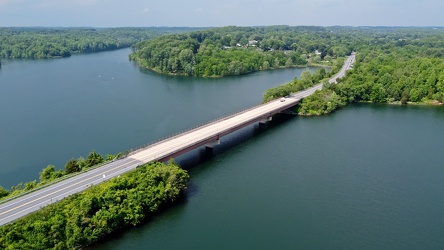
<point>54,110</point>
<point>365,177</point>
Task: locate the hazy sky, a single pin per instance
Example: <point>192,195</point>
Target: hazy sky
<point>204,13</point>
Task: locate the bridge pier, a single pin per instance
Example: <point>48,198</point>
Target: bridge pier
<point>212,144</point>
<point>263,121</point>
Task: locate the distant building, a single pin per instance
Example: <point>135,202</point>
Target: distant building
<point>252,43</point>
<point>317,52</point>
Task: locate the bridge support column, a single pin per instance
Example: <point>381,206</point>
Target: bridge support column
<point>263,121</point>
<point>211,145</point>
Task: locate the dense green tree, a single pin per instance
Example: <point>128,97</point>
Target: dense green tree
<point>72,166</point>
<point>86,217</point>
<point>3,192</point>
<point>93,159</point>
<point>47,173</point>
<point>109,157</point>
<point>405,96</point>
<point>319,103</point>
<point>306,78</point>
<point>378,93</point>
<point>30,185</point>
<point>82,162</point>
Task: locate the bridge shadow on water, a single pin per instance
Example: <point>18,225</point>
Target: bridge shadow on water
<point>198,156</point>
<point>194,159</point>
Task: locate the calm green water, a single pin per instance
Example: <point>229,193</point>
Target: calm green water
<point>365,177</point>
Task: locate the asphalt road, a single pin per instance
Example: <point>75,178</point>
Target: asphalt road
<point>23,205</point>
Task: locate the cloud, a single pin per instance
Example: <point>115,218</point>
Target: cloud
<point>146,10</point>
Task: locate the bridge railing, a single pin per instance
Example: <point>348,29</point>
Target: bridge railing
<point>175,135</point>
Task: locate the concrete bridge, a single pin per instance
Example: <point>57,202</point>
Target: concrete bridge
<point>208,134</point>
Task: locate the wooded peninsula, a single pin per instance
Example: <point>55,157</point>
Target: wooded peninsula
<point>231,51</point>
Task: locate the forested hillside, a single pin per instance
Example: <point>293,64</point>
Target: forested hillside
<point>396,65</point>
<point>36,43</point>
<point>239,50</point>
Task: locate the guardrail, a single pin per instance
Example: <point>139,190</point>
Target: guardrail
<point>136,150</point>
<point>68,176</point>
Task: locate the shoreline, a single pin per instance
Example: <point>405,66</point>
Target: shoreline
<point>397,103</point>
<point>429,103</point>
<point>182,74</point>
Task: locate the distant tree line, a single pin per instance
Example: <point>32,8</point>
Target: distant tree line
<point>233,50</point>
<point>37,43</point>
<point>86,217</point>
